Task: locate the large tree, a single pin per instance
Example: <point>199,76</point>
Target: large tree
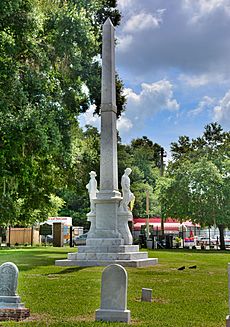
<point>197,183</point>
<point>47,61</point>
<point>143,157</point>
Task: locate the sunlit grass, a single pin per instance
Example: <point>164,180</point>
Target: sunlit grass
<point>59,296</point>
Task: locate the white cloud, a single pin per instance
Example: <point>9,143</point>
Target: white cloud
<point>124,124</point>
<point>222,111</point>
<point>165,39</point>
<point>202,8</point>
<point>206,103</point>
<point>153,98</point>
<point>201,80</point>
<point>124,43</point>
<point>88,118</point>
<point>142,22</point>
<point>124,3</point>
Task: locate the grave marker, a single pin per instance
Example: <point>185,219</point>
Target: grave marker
<point>113,295</point>
<point>11,307</point>
<point>146,295</point>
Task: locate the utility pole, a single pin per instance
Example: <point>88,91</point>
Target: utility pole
<point>161,174</point>
<point>147,212</point>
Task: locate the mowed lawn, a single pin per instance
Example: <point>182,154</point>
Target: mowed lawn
<point>60,296</point>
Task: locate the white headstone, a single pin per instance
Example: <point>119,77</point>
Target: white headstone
<point>8,279</point>
<point>8,287</point>
<point>114,295</point>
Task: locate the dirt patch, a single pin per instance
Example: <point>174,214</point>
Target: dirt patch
<point>88,318</point>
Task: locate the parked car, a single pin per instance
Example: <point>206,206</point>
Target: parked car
<point>80,240</point>
<point>47,239</point>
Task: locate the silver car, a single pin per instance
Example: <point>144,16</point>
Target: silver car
<point>80,240</point>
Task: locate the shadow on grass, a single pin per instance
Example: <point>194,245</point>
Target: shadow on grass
<point>27,259</point>
<point>67,271</point>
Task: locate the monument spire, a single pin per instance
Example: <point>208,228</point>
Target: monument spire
<point>109,239</point>
<point>108,162</point>
<point>108,91</point>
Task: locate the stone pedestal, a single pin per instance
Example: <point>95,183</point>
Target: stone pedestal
<point>14,314</point>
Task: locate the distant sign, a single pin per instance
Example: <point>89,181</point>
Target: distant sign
<point>65,220</point>
<point>45,229</point>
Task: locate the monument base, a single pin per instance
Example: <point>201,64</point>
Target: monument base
<point>113,315</point>
<point>14,314</point>
<point>106,252</point>
<point>11,302</point>
<point>228,321</point>
<point>92,263</point>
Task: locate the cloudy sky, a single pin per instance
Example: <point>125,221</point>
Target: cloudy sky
<point>174,59</point>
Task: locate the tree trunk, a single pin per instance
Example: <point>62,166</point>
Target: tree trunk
<point>222,242</point>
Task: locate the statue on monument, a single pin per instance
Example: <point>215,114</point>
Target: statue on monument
<point>92,189</point>
<point>128,196</point>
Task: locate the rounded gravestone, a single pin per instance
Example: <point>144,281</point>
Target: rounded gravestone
<point>8,279</point>
<point>113,295</point>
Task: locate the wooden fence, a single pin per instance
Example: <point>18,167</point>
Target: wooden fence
<point>22,236</point>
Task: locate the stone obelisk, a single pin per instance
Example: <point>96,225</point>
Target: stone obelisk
<point>109,197</point>
<point>109,239</point>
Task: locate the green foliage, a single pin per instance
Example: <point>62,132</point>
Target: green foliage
<point>197,184</point>
<point>47,57</point>
<point>85,154</point>
<point>143,157</point>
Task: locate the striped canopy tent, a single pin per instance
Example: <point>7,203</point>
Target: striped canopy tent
<point>170,225</point>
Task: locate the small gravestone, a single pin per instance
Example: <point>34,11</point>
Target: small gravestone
<point>11,307</point>
<point>146,295</point>
<point>228,316</point>
<point>113,295</point>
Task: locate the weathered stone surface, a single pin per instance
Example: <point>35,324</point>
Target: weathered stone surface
<point>109,249</point>
<point>114,295</point>
<point>146,295</point>
<point>123,218</point>
<point>139,263</point>
<point>11,307</point>
<point>8,279</point>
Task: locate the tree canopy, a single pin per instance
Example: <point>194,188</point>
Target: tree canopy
<point>197,183</point>
<point>49,73</point>
<point>143,157</point>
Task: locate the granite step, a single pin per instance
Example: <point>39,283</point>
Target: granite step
<point>100,242</point>
<point>149,262</point>
<point>108,249</point>
<point>108,256</point>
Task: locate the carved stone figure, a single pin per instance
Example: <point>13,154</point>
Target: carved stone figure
<point>92,189</point>
<point>128,196</point>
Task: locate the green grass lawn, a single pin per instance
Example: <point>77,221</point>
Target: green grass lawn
<point>60,296</point>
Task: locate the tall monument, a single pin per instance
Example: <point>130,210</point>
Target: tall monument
<point>109,239</point>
